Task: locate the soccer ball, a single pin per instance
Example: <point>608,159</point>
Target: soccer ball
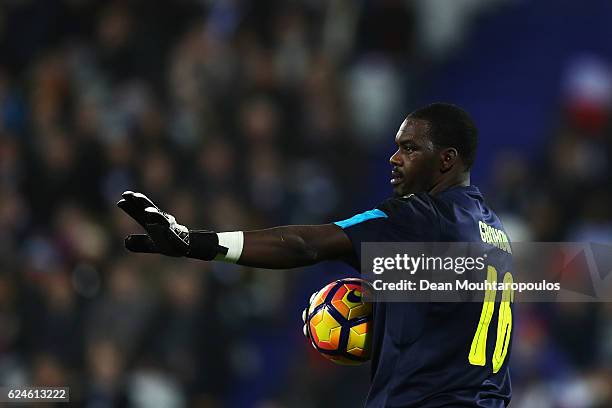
<point>338,322</point>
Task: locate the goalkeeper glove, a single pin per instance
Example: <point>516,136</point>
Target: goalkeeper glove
<point>165,235</point>
<point>305,313</point>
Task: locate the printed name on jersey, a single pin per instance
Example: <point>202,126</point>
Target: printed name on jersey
<point>494,236</point>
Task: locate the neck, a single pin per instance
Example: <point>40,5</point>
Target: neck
<point>457,180</point>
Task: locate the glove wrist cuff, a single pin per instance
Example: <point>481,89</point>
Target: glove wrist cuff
<point>203,245</point>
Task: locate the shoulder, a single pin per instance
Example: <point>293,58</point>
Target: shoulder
<point>419,204</point>
<point>399,210</point>
<point>415,214</point>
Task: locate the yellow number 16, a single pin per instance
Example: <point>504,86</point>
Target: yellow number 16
<point>478,351</point>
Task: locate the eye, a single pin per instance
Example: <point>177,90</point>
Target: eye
<point>407,148</point>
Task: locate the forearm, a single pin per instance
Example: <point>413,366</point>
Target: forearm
<point>293,246</point>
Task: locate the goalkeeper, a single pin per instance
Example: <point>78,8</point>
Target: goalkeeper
<point>422,354</point>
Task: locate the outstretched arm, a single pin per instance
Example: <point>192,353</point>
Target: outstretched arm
<point>281,247</point>
<point>294,245</point>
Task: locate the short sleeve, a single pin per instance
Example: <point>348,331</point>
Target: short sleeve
<point>410,219</point>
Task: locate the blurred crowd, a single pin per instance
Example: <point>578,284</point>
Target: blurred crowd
<point>240,115</point>
<point>563,351</point>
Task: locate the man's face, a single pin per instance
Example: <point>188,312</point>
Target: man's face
<point>415,163</point>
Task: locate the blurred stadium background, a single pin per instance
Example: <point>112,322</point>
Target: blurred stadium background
<point>248,114</point>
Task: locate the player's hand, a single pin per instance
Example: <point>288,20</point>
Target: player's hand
<point>164,235</point>
<point>305,316</point>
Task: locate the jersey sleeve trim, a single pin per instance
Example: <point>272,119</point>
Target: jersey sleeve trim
<point>359,218</point>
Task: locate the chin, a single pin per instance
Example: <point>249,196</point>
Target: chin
<point>403,190</point>
<point>398,191</point>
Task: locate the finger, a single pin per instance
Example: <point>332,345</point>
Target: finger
<point>305,331</point>
<point>132,210</point>
<point>153,216</point>
<point>140,243</point>
<point>312,297</point>
<point>136,203</point>
<point>304,315</point>
<point>138,198</point>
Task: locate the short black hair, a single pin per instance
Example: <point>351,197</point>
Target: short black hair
<point>450,126</point>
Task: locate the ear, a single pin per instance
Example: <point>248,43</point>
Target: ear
<point>448,158</point>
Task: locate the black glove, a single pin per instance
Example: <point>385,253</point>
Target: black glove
<point>164,235</point>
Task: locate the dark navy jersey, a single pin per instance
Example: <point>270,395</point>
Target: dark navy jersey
<point>438,354</point>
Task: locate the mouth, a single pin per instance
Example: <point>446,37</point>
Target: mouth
<point>396,178</point>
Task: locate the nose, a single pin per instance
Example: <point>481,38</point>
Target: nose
<point>396,159</point>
